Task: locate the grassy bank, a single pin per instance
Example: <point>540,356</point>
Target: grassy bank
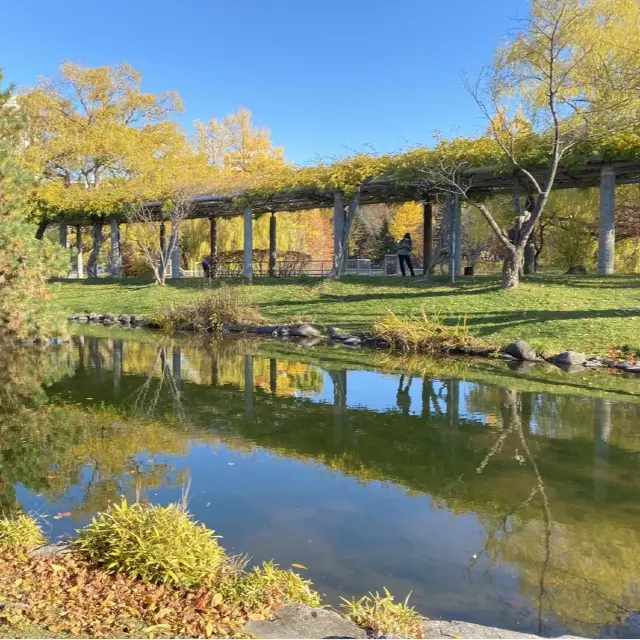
<point>588,314</point>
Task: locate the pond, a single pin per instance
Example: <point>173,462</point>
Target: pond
<point>502,498</point>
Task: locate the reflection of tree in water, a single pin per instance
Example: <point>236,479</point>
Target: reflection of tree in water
<point>47,446</point>
<point>403,399</point>
<point>583,573</point>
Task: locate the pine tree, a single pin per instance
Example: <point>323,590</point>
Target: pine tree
<point>25,263</point>
<point>364,243</point>
<point>386,243</point>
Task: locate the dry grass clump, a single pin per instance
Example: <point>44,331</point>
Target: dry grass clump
<point>423,333</point>
<point>21,533</point>
<point>209,313</point>
<point>381,616</point>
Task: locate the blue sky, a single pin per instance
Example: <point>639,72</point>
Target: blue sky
<point>325,76</point>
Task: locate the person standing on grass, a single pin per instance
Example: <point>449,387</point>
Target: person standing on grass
<point>206,266</point>
<point>405,247</point>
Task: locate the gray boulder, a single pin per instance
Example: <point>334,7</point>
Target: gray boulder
<point>94,316</point>
<point>137,320</point>
<point>305,331</point>
<point>351,341</point>
<point>52,550</point>
<point>109,316</point>
<point>301,621</point>
<point>521,350</point>
<point>124,318</point>
<point>456,629</point>
<point>570,357</point>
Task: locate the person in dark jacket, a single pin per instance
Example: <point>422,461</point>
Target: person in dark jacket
<point>405,247</point>
<point>206,266</point>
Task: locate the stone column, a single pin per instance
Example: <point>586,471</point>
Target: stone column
<point>213,240</point>
<point>247,268</point>
<point>606,245</point>
<point>338,230</point>
<point>80,256</point>
<point>175,251</point>
<point>427,234</point>
<point>456,210</point>
<point>116,250</point>
<point>273,245</point>
<point>63,235</point>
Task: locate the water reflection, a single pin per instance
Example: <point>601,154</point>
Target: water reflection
<point>492,504</point>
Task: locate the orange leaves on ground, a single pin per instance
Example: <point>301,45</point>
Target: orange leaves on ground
<point>67,595</point>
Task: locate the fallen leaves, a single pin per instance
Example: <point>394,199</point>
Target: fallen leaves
<point>67,595</point>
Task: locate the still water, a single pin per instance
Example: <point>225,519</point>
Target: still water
<point>490,499</point>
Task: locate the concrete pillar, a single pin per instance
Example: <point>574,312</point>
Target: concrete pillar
<point>273,245</point>
<point>427,234</point>
<point>80,255</point>
<point>175,251</point>
<point>247,269</point>
<point>606,245</point>
<point>63,235</point>
<point>456,210</point>
<point>118,351</point>
<point>248,390</point>
<point>116,250</point>
<point>176,365</point>
<point>213,240</point>
<point>338,230</point>
<point>601,438</point>
<point>273,376</point>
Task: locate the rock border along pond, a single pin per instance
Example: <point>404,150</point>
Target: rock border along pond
<point>308,335</point>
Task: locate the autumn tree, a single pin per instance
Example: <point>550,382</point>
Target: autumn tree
<point>543,101</point>
<point>97,141</point>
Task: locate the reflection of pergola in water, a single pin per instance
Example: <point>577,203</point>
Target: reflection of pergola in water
<point>439,400</point>
<point>485,181</point>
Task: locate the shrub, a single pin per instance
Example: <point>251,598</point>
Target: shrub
<point>270,586</point>
<point>423,333</point>
<point>209,313</point>
<point>22,533</point>
<point>159,544</point>
<point>381,616</point>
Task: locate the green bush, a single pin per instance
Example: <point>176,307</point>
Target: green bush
<point>158,544</point>
<point>22,533</point>
<point>209,313</point>
<point>381,616</point>
<point>268,585</point>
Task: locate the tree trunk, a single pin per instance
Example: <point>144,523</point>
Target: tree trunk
<point>42,227</point>
<point>511,269</point>
<point>98,239</point>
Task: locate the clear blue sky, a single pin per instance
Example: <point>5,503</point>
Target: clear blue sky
<point>325,76</point>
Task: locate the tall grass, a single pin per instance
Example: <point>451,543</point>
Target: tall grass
<point>158,544</point>
<point>424,333</point>
<point>21,533</point>
<point>383,617</point>
<point>209,313</point>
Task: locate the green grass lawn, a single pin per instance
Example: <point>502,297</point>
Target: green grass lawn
<point>587,314</point>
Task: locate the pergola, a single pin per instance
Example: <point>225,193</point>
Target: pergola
<point>485,181</point>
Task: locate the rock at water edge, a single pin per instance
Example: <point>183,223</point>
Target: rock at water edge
<point>570,357</point>
<point>521,350</point>
<point>301,621</point>
<point>305,331</point>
